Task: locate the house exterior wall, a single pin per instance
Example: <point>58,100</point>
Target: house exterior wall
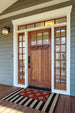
<point>6,42</point>
<point>73,51</point>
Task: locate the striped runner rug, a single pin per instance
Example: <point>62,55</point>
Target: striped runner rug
<point>48,106</point>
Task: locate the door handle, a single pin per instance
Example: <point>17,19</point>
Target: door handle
<point>28,59</point>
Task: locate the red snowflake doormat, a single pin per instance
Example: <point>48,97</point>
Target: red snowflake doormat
<point>35,94</point>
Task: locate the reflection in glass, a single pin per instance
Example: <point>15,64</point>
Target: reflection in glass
<point>40,24</point>
<point>23,38</point>
<point>23,44</point>
<point>57,79</point>
<point>62,72</point>
<point>33,39</point>
<point>20,50</point>
<point>63,56</point>
<point>20,38</point>
<point>63,64</point>
<point>57,63</point>
<point>57,40</point>
<point>62,48</point>
<point>49,22</point>
<point>45,37</point>
<point>21,27</point>
<point>20,69</point>
<point>58,33</point>
<point>57,71</point>
<point>23,62</point>
<point>63,40</point>
<point>20,44</point>
<point>39,38</point>
<point>57,55</point>
<point>20,63</point>
<point>23,69</point>
<point>30,26</point>
<point>20,57</point>
<point>20,76</point>
<point>60,20</point>
<point>58,48</point>
<point>63,80</point>
<point>23,50</point>
<point>63,32</point>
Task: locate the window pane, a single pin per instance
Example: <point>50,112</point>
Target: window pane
<point>20,63</point>
<point>63,56</point>
<point>63,40</point>
<point>62,48</point>
<point>62,72</point>
<point>45,37</point>
<point>63,64</point>
<point>49,22</point>
<point>20,50</point>
<point>57,55</point>
<point>23,38</point>
<point>40,24</point>
<point>20,69</point>
<point>39,38</point>
<point>58,48</point>
<point>57,63</point>
<point>57,40</point>
<point>30,26</point>
<point>23,44</point>
<point>63,32</point>
<point>57,71</point>
<point>58,33</point>
<point>20,76</point>
<point>23,62</point>
<point>60,20</point>
<point>63,80</point>
<point>57,79</point>
<point>20,38</point>
<point>33,39</point>
<point>20,57</point>
<point>20,44</point>
<point>23,50</point>
<point>21,27</point>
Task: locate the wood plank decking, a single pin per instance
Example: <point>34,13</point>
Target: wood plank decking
<point>66,104</point>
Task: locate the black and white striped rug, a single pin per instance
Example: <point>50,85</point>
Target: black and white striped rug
<point>48,106</point>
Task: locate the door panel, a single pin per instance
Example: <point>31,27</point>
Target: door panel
<point>45,65</point>
<point>35,64</point>
<point>40,55</point>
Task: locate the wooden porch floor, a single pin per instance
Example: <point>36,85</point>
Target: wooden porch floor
<point>66,104</point>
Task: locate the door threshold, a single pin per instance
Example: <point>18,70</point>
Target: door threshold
<point>39,88</point>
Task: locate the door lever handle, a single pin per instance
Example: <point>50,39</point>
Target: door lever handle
<point>28,59</point>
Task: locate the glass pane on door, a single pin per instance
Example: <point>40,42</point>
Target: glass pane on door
<point>39,38</point>
<point>45,37</point>
<point>33,39</point>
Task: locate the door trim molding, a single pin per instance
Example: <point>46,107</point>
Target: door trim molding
<point>38,17</point>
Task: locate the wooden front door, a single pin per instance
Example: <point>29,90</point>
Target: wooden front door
<point>39,58</point>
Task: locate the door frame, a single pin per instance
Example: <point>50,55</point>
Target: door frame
<point>40,17</point>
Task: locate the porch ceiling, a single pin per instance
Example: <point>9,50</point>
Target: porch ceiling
<point>4,4</point>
